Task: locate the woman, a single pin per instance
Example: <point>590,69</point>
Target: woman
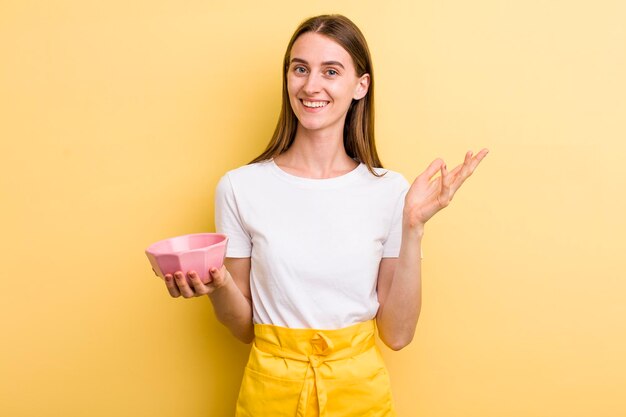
<point>324,245</point>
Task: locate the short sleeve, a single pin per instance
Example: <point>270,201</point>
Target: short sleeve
<point>228,220</point>
<point>391,247</point>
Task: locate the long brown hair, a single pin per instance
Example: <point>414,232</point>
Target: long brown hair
<point>358,130</point>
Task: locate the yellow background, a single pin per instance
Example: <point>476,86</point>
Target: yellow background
<point>118,118</point>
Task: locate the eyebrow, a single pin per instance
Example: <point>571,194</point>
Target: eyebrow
<point>337,63</point>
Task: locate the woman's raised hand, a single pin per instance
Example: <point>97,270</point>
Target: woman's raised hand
<point>177,285</point>
<point>426,197</point>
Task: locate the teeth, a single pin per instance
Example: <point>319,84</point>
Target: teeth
<point>314,103</point>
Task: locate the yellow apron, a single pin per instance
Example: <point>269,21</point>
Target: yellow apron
<point>310,373</point>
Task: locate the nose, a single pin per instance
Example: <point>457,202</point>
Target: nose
<point>312,84</point>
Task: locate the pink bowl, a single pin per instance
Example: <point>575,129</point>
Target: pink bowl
<point>198,252</point>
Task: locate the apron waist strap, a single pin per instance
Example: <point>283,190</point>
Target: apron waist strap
<point>322,350</point>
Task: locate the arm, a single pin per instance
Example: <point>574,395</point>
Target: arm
<point>400,279</point>
<point>228,290</point>
<point>232,302</point>
<point>400,291</point>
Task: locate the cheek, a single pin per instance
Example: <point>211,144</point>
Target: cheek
<point>293,85</point>
<point>291,90</point>
<point>343,94</point>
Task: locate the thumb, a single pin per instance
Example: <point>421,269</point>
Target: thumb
<point>218,275</point>
<point>432,169</point>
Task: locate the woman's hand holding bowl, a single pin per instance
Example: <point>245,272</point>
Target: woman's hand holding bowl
<point>177,285</point>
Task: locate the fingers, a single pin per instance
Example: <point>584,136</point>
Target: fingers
<point>445,196</point>
<point>171,286</point>
<point>431,170</point>
<point>466,170</point>
<point>472,163</point>
<point>198,286</point>
<point>453,174</point>
<point>479,157</point>
<point>463,171</point>
<point>218,276</point>
<point>183,286</point>
<point>180,286</point>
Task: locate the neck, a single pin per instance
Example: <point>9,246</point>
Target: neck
<point>317,154</point>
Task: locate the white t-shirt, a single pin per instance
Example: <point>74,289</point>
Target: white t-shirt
<point>315,244</point>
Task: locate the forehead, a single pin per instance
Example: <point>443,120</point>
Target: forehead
<point>315,48</point>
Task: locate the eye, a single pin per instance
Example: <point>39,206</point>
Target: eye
<point>331,72</point>
<point>299,69</point>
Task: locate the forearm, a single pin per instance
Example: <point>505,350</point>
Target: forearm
<point>233,310</point>
<point>397,318</point>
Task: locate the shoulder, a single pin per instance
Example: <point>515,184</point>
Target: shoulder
<point>249,170</point>
<point>391,179</point>
<point>246,174</point>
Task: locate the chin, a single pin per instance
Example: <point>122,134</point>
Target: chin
<point>312,126</point>
<point>307,122</point>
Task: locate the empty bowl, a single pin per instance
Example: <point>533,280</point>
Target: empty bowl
<point>198,252</point>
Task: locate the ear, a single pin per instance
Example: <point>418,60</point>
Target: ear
<point>362,87</point>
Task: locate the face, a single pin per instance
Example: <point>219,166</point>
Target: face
<point>322,82</point>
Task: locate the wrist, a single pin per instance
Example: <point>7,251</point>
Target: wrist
<point>415,229</point>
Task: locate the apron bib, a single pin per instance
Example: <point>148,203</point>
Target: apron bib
<point>311,373</point>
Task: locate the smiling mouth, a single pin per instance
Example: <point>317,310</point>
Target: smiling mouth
<point>314,104</point>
